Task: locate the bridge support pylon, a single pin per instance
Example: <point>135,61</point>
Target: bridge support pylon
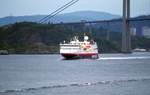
<point>126,37</point>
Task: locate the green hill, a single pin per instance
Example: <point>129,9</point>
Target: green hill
<point>33,38</point>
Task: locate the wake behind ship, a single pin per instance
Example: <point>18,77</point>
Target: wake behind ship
<point>79,49</point>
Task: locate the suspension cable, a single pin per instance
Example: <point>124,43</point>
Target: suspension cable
<point>48,17</point>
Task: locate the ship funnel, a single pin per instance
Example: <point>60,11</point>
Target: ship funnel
<point>86,38</point>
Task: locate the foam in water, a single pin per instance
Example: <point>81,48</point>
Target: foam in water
<point>76,85</point>
<point>120,58</point>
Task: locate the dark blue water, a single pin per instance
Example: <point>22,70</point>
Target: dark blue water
<point>112,74</point>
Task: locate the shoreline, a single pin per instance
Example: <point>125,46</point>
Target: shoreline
<point>59,53</point>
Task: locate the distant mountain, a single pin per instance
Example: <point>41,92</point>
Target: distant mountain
<point>66,17</point>
<point>84,15</point>
<point>13,19</point>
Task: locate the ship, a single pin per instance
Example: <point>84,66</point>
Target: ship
<point>79,49</point>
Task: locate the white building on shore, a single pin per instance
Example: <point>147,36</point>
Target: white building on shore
<point>146,31</point>
<point>133,31</point>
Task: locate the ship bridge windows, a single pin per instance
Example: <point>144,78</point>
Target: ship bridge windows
<point>64,48</point>
<point>69,45</point>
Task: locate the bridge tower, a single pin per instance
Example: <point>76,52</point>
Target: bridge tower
<point>126,37</point>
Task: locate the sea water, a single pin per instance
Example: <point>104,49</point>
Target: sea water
<point>111,74</point>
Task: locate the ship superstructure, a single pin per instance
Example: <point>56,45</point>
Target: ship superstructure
<point>79,49</point>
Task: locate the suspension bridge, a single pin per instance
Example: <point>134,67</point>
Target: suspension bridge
<point>126,35</point>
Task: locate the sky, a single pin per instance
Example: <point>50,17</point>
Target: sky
<point>40,7</point>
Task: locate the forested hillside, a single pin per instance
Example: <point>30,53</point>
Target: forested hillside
<point>32,38</point>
